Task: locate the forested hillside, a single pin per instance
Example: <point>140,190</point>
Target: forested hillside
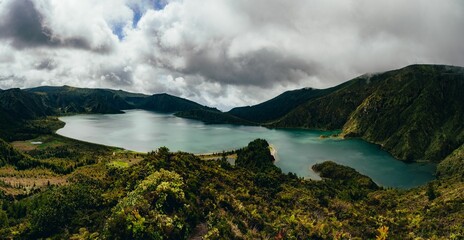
<point>415,113</point>
<point>24,111</point>
<point>114,194</point>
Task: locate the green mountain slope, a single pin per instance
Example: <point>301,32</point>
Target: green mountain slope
<point>452,165</point>
<point>8,155</point>
<point>81,100</point>
<point>416,113</point>
<point>86,100</point>
<point>278,106</point>
<point>330,111</point>
<point>17,105</point>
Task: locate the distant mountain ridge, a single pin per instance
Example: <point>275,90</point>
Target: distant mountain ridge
<point>278,106</point>
<point>20,105</point>
<point>78,100</point>
<point>415,113</point>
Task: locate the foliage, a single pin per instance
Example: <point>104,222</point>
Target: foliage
<point>59,208</point>
<point>453,165</point>
<point>178,196</point>
<point>155,209</point>
<point>334,171</point>
<point>8,155</point>
<point>255,156</point>
<point>416,113</point>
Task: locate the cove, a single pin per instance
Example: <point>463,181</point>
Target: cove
<point>297,150</point>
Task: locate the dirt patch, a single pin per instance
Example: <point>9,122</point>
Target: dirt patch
<point>24,146</point>
<point>34,181</point>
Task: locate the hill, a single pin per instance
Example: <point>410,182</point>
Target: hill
<point>25,112</point>
<point>16,104</point>
<point>278,106</point>
<point>169,104</point>
<point>67,99</point>
<point>330,111</point>
<point>415,113</point>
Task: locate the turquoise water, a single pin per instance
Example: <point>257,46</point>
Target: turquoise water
<point>297,150</point>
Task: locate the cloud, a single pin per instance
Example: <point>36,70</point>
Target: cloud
<point>24,26</point>
<point>61,24</point>
<point>221,52</point>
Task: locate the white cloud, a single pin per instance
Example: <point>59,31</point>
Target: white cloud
<point>221,52</point>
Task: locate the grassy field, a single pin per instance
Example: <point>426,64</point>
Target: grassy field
<point>54,152</point>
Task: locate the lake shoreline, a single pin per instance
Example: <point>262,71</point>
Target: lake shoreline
<point>293,151</point>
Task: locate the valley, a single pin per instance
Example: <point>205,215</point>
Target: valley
<point>52,186</point>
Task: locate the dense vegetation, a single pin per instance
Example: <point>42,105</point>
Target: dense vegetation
<point>165,195</point>
<point>416,113</point>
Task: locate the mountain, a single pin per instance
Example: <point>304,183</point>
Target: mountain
<point>86,100</point>
<point>17,106</point>
<point>82,100</point>
<point>23,113</point>
<point>452,165</point>
<point>278,106</point>
<point>415,113</point>
<point>167,103</point>
<point>329,111</point>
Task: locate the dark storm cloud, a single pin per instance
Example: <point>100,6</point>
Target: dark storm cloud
<point>13,78</point>
<point>46,64</point>
<point>261,68</point>
<point>23,25</point>
<point>117,77</point>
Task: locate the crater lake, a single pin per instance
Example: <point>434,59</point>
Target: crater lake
<point>297,150</point>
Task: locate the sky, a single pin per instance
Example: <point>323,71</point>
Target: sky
<point>221,53</point>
